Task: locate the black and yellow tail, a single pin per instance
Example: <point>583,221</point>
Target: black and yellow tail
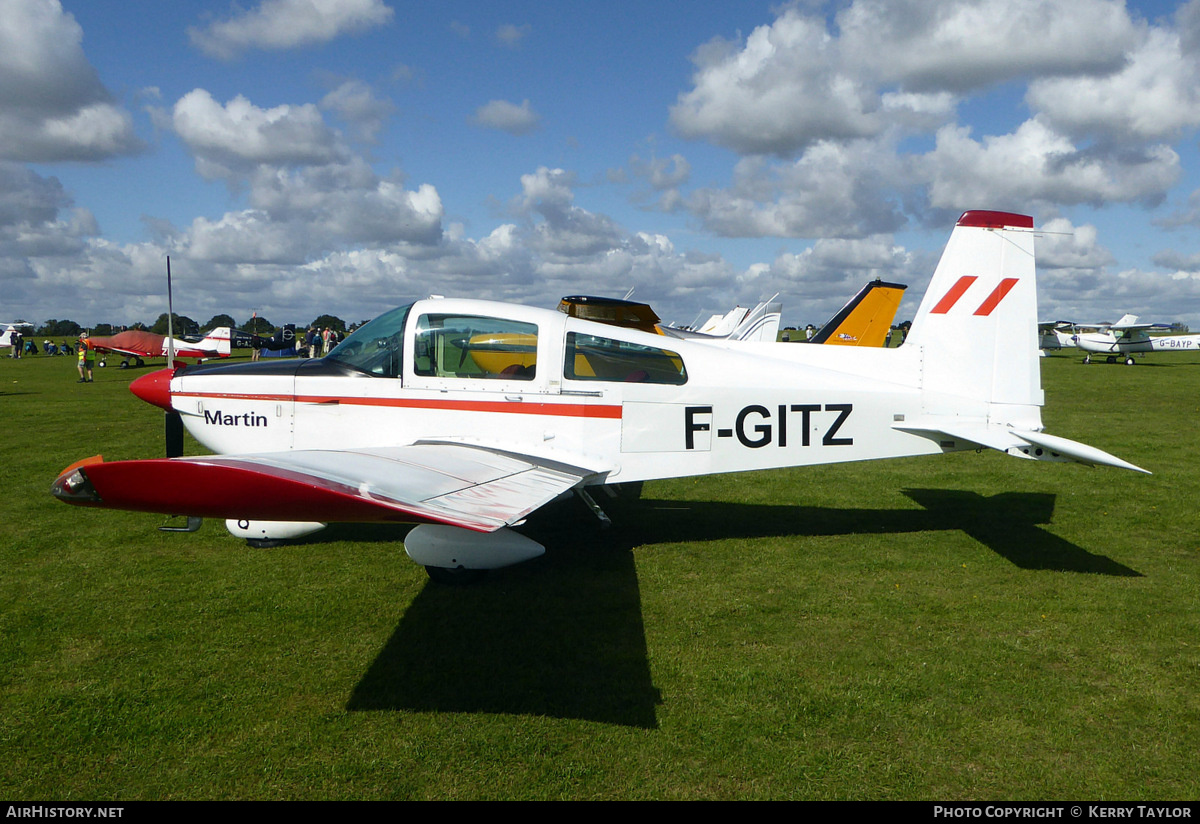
<point>866,319</point>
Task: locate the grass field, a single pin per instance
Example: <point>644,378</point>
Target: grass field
<point>962,627</point>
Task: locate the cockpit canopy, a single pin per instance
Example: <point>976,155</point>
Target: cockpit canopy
<point>376,347</point>
<point>451,341</point>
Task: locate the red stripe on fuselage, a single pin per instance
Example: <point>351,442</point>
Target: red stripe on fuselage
<point>951,297</point>
<point>568,410</point>
<point>997,295</point>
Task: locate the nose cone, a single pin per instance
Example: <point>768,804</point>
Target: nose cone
<point>155,388</point>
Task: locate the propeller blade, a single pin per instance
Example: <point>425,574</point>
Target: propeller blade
<point>174,429</point>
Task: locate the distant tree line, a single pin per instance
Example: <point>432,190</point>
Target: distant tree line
<point>182,325</point>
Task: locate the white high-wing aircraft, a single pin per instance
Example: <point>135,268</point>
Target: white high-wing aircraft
<point>7,328</point>
<point>465,416</point>
<point>1057,335</point>
<point>1127,337</point>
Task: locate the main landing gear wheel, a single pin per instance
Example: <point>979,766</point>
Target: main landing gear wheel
<point>456,577</point>
<point>1129,361</point>
<point>1087,358</point>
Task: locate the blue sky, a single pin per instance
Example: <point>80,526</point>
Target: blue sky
<point>298,157</point>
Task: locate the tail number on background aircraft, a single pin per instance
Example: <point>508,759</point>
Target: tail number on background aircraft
<point>753,426</point>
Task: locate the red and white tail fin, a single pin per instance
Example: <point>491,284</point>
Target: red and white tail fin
<point>976,330</point>
<point>218,341</point>
<point>977,323</point>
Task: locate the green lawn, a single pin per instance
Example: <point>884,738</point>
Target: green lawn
<point>960,627</point>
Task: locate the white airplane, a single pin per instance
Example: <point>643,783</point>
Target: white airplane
<point>403,422</point>
<point>9,328</point>
<point>1127,337</point>
<point>740,323</point>
<point>1057,335</point>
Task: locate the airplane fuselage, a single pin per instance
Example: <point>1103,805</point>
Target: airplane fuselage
<point>626,403</point>
<point>1107,343</point>
<point>142,344</point>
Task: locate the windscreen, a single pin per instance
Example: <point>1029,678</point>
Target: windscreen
<point>376,347</point>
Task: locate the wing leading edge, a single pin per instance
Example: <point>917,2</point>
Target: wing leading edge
<point>448,483</point>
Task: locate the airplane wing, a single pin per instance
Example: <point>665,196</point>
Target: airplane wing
<point>1140,327</point>
<point>116,350</point>
<point>439,482</point>
<point>132,342</point>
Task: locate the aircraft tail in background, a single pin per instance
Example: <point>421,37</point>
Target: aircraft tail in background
<point>761,323</point>
<point>866,319</point>
<point>218,341</point>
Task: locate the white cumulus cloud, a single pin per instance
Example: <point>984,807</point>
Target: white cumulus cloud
<point>287,24</point>
<point>233,138</point>
<point>53,106</point>
<point>507,117</point>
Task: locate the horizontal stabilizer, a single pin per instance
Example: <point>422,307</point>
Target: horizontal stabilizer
<point>1076,451</point>
<point>1016,442</point>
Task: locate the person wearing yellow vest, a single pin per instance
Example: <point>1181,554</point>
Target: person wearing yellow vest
<point>86,358</point>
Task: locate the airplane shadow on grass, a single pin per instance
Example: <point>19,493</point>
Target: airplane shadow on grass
<point>563,636</point>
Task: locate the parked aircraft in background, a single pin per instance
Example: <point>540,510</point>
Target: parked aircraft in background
<point>134,344</point>
<point>1057,335</point>
<point>1127,337</point>
<point>760,323</point>
<point>866,319</point>
<point>402,422</point>
<point>8,329</point>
